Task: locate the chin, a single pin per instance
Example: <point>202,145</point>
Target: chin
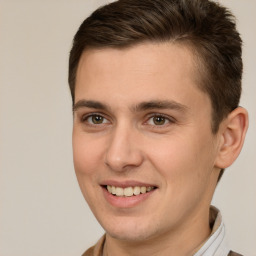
<point>130,230</point>
<point>129,236</point>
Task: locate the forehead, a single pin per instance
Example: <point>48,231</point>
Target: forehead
<point>149,70</point>
<point>146,57</point>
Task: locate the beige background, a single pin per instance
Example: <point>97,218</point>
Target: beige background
<point>42,212</point>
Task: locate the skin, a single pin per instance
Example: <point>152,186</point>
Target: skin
<point>179,155</point>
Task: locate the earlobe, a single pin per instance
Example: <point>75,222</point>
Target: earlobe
<point>233,133</point>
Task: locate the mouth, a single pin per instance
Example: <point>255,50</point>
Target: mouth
<point>128,191</point>
<point>128,194</point>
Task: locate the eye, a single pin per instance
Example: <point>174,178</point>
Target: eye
<point>95,119</point>
<point>159,120</point>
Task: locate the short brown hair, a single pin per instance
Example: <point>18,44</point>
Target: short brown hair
<point>208,28</point>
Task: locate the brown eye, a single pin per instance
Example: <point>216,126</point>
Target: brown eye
<point>96,119</point>
<point>159,120</point>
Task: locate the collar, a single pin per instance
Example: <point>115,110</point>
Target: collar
<point>216,244</point>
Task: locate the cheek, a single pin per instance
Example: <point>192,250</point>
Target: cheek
<point>182,160</point>
<point>185,167</point>
<point>86,157</point>
<point>86,154</point>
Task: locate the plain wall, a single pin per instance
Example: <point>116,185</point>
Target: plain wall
<point>42,211</point>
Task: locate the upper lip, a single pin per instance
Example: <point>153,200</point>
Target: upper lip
<point>127,183</point>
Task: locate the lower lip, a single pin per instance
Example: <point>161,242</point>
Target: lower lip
<point>126,202</point>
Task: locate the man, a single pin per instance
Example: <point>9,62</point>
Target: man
<point>155,87</point>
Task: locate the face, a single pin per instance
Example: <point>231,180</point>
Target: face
<point>144,153</point>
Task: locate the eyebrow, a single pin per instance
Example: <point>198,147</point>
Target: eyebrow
<point>143,106</point>
<point>89,104</point>
<point>160,104</point>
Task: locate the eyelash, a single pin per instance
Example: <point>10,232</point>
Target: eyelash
<point>167,119</point>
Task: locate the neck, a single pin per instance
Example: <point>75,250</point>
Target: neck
<point>179,242</point>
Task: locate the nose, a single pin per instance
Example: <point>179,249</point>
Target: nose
<point>123,150</point>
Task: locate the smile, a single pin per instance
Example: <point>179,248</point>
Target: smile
<point>128,191</point>
<point>127,194</point>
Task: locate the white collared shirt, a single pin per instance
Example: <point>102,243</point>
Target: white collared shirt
<point>216,244</point>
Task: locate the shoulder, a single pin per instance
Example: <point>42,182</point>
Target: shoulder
<point>97,249</point>
<point>231,253</point>
<point>89,252</point>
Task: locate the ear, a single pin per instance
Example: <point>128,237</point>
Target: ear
<point>232,134</point>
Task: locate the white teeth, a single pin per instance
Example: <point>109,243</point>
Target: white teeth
<point>109,188</point>
<point>149,188</point>
<point>113,190</point>
<point>143,190</point>
<point>129,191</point>
<point>136,191</point>
<point>119,191</point>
